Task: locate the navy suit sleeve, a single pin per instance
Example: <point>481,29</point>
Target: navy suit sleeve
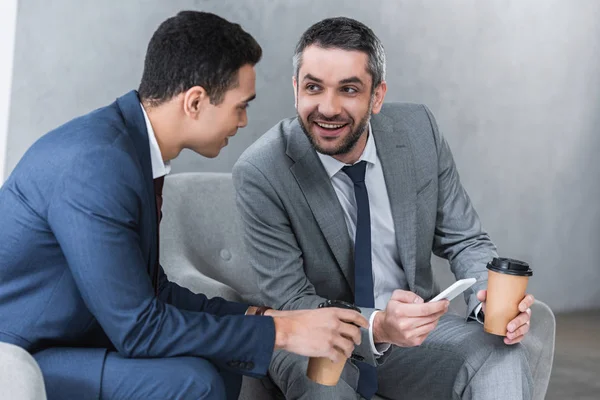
<point>94,213</point>
<point>185,299</point>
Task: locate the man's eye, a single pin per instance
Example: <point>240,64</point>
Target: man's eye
<point>244,107</point>
<point>311,87</point>
<point>349,90</point>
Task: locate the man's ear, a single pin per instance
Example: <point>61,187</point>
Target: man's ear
<point>378,97</point>
<point>295,85</point>
<point>195,100</point>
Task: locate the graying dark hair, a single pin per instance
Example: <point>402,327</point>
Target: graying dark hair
<point>346,34</point>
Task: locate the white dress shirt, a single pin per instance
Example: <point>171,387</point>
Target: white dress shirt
<point>388,274</point>
<point>159,167</point>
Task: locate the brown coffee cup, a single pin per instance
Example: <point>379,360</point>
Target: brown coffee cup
<point>507,285</point>
<point>324,371</point>
<point>321,369</point>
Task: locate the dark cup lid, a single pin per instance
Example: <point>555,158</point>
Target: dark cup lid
<point>509,266</point>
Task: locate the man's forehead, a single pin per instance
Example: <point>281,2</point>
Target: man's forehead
<point>245,87</point>
<point>239,94</point>
<point>333,64</point>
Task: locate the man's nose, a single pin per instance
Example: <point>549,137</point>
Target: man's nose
<point>243,120</point>
<point>331,106</point>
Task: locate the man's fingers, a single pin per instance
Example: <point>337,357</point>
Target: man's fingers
<point>404,296</point>
<point>521,331</point>
<point>352,317</point>
<point>350,332</point>
<point>526,302</point>
<point>427,320</point>
<point>482,295</point>
<point>520,320</point>
<point>345,346</point>
<point>513,341</point>
<point>423,310</point>
<point>336,355</point>
<point>424,330</point>
<point>422,338</point>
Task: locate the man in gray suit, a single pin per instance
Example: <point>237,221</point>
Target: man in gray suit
<point>346,202</point>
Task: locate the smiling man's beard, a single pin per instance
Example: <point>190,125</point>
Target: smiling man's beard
<point>349,141</point>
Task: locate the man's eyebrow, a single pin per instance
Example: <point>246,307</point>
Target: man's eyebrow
<point>249,99</point>
<point>312,78</point>
<point>353,79</point>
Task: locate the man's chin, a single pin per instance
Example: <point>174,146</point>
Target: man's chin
<point>328,148</point>
<point>328,145</point>
<point>208,153</point>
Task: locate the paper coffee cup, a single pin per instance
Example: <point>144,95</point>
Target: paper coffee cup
<point>324,371</point>
<point>507,285</point>
<point>321,369</point>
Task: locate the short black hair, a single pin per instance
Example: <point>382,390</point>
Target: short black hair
<point>346,34</point>
<point>195,48</point>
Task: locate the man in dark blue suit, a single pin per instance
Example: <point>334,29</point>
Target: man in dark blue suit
<point>80,284</point>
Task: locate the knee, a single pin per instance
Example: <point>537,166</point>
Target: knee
<point>288,372</point>
<point>495,353</point>
<point>286,368</point>
<point>505,366</point>
<point>514,355</point>
<point>202,380</point>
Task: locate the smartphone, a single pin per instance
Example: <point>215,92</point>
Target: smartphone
<point>455,289</point>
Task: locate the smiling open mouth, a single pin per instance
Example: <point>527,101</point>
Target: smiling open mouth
<point>330,126</point>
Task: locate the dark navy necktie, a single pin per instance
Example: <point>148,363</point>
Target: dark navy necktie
<point>363,271</point>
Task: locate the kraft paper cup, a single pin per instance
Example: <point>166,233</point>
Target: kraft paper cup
<point>507,285</point>
<point>324,371</point>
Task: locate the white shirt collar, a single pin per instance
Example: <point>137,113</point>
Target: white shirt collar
<point>159,167</point>
<point>333,166</point>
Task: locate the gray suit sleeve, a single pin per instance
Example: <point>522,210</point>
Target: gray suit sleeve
<point>273,250</point>
<point>459,237</point>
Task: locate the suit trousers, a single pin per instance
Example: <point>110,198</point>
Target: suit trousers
<point>177,378</point>
<point>458,360</point>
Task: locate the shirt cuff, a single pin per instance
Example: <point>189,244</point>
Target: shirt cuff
<point>377,349</point>
<point>478,314</point>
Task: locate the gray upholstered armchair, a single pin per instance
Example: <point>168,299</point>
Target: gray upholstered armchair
<point>20,375</point>
<point>202,249</point>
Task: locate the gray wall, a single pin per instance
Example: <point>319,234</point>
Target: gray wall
<point>514,85</point>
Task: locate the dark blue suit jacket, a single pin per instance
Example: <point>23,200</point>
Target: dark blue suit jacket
<point>77,246</point>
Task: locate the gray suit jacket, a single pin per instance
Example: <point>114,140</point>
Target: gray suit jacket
<point>295,231</point>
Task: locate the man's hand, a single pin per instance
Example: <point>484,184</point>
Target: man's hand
<point>407,321</point>
<point>518,327</point>
<point>325,332</point>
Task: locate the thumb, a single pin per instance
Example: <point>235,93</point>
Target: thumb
<point>482,295</point>
<point>404,296</point>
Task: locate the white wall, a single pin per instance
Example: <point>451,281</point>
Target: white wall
<point>8,21</point>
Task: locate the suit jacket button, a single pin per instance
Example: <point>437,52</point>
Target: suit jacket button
<point>249,365</point>
<point>233,364</point>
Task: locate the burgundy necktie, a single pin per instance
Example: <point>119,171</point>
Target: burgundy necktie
<point>158,187</point>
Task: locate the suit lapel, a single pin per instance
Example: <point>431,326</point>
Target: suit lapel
<point>393,149</point>
<point>131,110</point>
<point>322,200</point>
